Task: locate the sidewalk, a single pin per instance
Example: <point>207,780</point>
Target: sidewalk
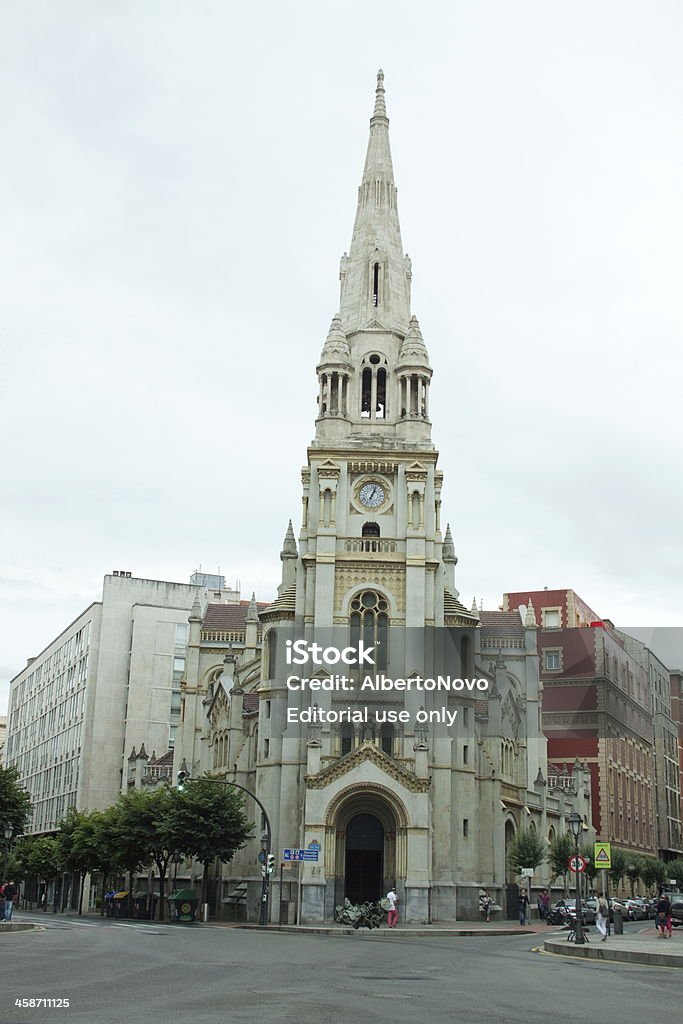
<point>645,946</point>
<point>464,928</point>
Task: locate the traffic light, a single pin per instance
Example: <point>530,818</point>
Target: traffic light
<point>271,863</point>
<point>183,777</point>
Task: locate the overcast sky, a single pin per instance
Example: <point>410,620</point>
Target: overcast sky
<point>178,184</point>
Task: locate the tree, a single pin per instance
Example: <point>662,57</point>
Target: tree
<point>527,850</point>
<point>653,872</point>
<point>675,870</point>
<point>15,802</point>
<point>619,865</point>
<point>634,869</point>
<point>206,821</point>
<point>587,852</point>
<point>561,849</point>
<point>144,817</point>
<point>39,857</point>
<point>77,838</point>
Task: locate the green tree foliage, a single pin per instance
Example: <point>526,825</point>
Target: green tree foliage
<point>77,838</point>
<point>561,849</point>
<point>588,854</point>
<point>654,872</point>
<point>38,857</point>
<point>15,802</point>
<point>620,862</point>
<point>634,868</point>
<point>207,821</point>
<point>675,870</point>
<point>527,850</point>
<point>144,818</point>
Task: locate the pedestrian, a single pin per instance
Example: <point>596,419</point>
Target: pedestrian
<point>664,915</point>
<point>9,894</point>
<point>546,904</point>
<point>392,916</point>
<point>523,906</point>
<point>485,906</point>
<point>602,916</point>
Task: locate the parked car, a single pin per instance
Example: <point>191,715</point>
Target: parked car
<point>569,907</point>
<point>634,910</point>
<point>646,907</point>
<point>676,909</point>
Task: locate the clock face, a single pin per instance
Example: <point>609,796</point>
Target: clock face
<point>371,495</point>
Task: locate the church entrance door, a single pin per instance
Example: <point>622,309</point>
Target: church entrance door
<point>364,874</point>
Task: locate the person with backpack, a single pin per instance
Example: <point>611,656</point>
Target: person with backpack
<point>664,915</point>
<point>602,916</point>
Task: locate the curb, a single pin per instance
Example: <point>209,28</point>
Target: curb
<point>11,926</point>
<point>609,953</point>
<point>388,932</point>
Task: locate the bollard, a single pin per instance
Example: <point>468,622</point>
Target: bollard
<point>618,922</point>
<point>205,912</point>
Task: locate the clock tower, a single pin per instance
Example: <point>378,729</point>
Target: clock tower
<point>371,488</point>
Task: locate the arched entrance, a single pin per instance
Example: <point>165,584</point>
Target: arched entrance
<point>364,867</point>
<point>367,830</point>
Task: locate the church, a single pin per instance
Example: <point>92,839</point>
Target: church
<point>414,787</point>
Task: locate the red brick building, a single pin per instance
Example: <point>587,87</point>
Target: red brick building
<point>597,707</point>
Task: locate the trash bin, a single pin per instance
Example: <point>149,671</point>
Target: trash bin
<point>183,905</point>
<point>618,922</point>
<point>120,901</point>
<point>109,903</point>
<point>144,906</point>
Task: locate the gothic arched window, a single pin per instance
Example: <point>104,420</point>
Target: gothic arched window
<point>369,622</point>
<point>271,652</point>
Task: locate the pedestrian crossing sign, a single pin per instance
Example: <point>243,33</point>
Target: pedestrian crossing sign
<point>603,855</point>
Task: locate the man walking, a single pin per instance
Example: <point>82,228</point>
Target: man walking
<point>10,893</point>
<point>523,906</point>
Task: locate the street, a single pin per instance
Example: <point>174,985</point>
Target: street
<point>122,971</point>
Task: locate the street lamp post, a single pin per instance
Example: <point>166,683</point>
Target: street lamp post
<point>266,840</point>
<point>575,823</point>
<point>9,832</point>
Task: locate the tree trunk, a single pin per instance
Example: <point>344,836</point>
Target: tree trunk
<point>162,889</point>
<point>82,875</point>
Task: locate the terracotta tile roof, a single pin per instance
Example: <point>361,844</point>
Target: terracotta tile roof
<point>164,760</point>
<point>228,616</point>
<point>501,626</point>
<point>250,703</point>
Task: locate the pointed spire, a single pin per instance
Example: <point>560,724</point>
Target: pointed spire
<point>336,348</point>
<point>448,549</point>
<point>530,617</point>
<point>252,610</point>
<point>474,609</point>
<point>196,612</point>
<point>414,350</point>
<point>380,105</point>
<point>142,753</point>
<point>289,549</point>
<point>384,293</point>
<point>133,755</point>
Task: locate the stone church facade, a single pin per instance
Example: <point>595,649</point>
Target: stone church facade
<point>430,807</point>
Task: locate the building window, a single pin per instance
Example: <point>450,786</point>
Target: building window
<point>551,618</point>
<point>266,748</point>
<point>271,653</point>
<point>178,669</point>
<point>181,634</point>
<point>465,754</point>
<point>387,739</point>
<point>369,622</point>
<point>552,660</point>
<point>465,827</point>
<point>346,739</point>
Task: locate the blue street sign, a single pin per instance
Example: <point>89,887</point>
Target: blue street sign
<point>314,845</point>
<point>289,855</point>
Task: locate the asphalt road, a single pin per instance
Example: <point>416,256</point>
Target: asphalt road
<point>158,974</point>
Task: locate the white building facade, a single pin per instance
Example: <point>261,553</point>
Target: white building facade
<point>109,683</point>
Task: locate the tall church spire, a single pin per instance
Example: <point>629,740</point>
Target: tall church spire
<point>375,275</point>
